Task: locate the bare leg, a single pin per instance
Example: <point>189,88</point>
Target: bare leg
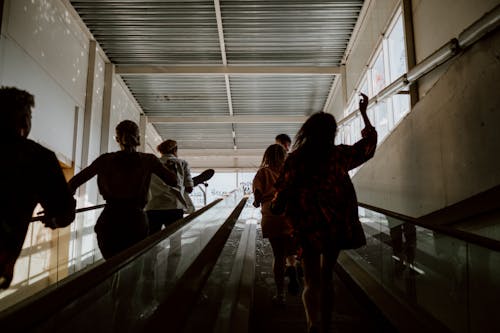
<point>278,247</point>
<point>327,292</point>
<point>312,291</point>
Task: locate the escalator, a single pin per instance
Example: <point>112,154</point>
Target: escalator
<point>202,274</point>
<point>435,278</point>
<point>136,289</point>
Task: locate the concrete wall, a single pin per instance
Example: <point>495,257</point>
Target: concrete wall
<point>446,149</point>
<point>437,22</point>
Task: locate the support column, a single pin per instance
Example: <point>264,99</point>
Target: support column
<point>89,100</point>
<point>2,3</point>
<point>143,121</point>
<point>344,86</point>
<point>109,72</point>
<point>410,47</point>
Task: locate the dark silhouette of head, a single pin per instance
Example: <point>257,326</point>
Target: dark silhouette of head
<point>15,112</point>
<point>127,134</point>
<point>284,140</point>
<point>167,147</point>
<point>317,132</point>
<point>274,157</point>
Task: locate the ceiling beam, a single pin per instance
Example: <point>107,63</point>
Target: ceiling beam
<point>218,153</point>
<point>227,70</point>
<point>229,119</point>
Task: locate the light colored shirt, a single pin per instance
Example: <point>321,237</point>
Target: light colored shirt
<point>164,197</point>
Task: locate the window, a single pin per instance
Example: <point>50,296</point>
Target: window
<point>378,73</point>
<point>388,64</point>
<point>397,50</point>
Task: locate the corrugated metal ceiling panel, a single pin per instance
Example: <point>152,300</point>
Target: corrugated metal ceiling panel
<point>154,32</point>
<point>179,95</point>
<point>279,95</point>
<point>255,33</point>
<point>198,136</point>
<point>304,32</point>
<point>260,136</point>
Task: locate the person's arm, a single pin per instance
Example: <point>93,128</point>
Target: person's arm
<point>55,196</point>
<point>84,175</point>
<point>257,185</point>
<point>363,105</point>
<point>166,175</point>
<point>364,149</point>
<point>188,180</point>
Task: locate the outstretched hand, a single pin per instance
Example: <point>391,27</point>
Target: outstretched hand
<point>363,102</point>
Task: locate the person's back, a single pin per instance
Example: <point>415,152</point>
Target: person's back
<point>170,197</point>
<point>29,174</point>
<point>124,176</point>
<point>168,204</point>
<point>321,203</point>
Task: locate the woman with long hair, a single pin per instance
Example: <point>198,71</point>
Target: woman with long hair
<point>322,206</point>
<point>275,227</point>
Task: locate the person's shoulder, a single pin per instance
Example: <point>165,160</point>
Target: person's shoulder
<point>149,157</point>
<point>37,150</point>
<point>106,156</point>
<point>266,171</point>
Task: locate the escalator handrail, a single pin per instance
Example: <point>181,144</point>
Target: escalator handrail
<point>468,237</point>
<point>78,210</point>
<point>42,305</point>
<point>189,286</point>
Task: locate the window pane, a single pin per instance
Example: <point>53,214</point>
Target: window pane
<point>381,120</point>
<point>397,51</point>
<point>363,87</point>
<point>356,128</point>
<point>378,77</point>
<point>401,106</point>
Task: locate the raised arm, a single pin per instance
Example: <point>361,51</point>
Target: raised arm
<point>363,104</point>
<point>364,149</point>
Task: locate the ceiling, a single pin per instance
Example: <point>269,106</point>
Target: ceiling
<point>223,78</point>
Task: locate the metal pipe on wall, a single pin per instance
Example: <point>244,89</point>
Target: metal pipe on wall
<point>439,57</point>
<point>488,22</point>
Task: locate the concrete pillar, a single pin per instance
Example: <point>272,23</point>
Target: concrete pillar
<point>143,121</point>
<point>109,72</point>
<point>410,47</point>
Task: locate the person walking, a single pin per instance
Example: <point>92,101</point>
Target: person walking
<point>168,204</point>
<point>29,174</point>
<point>123,179</point>
<point>276,228</point>
<point>322,206</point>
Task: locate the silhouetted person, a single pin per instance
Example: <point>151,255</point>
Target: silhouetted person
<point>322,205</point>
<point>30,174</point>
<point>284,140</point>
<point>167,204</point>
<point>123,179</point>
<point>276,228</point>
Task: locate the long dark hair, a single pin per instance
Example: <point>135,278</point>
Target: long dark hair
<point>274,157</point>
<point>316,134</point>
